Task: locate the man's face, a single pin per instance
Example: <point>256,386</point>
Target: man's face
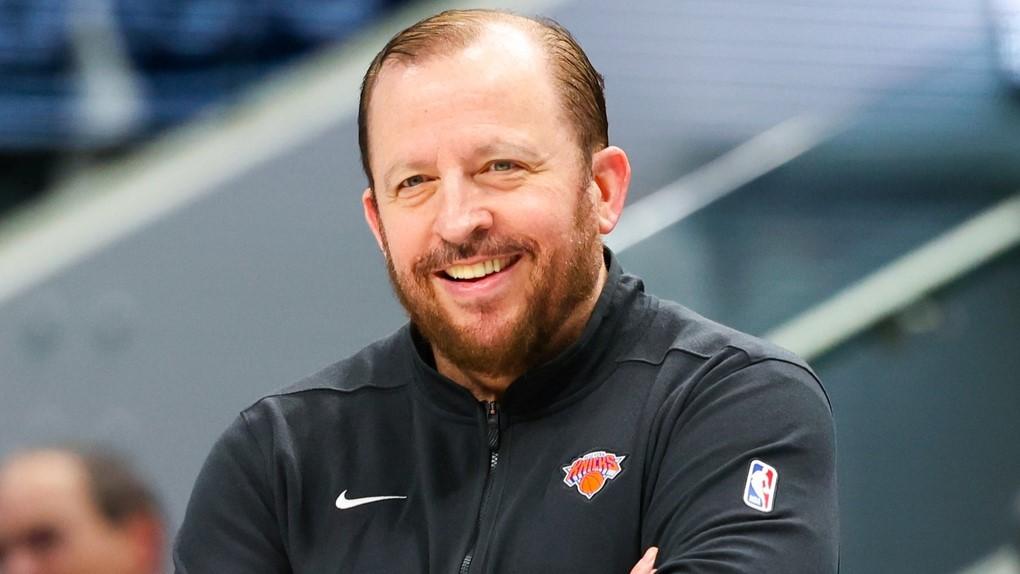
<point>49,524</point>
<point>483,206</point>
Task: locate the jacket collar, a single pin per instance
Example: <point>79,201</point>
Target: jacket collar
<point>577,369</point>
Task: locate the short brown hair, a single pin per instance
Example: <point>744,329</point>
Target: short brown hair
<point>118,491</point>
<point>580,86</point>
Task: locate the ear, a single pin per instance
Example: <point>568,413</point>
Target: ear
<point>371,207</point>
<point>611,175</point>
<point>146,542</point>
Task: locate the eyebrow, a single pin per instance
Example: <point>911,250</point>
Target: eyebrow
<point>502,148</point>
<point>413,166</point>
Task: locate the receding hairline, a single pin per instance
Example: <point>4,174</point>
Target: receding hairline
<point>577,85</point>
<point>471,28</point>
<point>502,24</point>
<point>471,33</point>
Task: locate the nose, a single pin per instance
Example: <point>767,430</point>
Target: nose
<point>462,212</point>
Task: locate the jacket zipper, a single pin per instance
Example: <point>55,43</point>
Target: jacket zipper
<point>492,427</point>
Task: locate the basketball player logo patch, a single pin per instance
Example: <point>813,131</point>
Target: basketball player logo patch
<point>760,490</point>
<point>590,472</point>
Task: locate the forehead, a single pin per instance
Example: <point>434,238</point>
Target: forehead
<point>499,50</point>
<point>499,83</point>
<point>40,488</point>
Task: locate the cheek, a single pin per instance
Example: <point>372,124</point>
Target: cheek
<point>406,239</point>
<point>550,223</point>
<point>104,550</point>
<point>545,209</point>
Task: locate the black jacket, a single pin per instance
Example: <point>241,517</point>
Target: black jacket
<point>647,431</point>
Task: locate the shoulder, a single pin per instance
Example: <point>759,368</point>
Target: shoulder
<point>724,406</point>
<point>677,328</point>
<point>714,381</point>
<point>379,367</point>
<point>681,342</point>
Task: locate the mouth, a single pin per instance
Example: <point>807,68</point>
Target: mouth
<point>479,270</point>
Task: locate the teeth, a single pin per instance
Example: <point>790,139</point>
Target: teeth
<point>477,270</point>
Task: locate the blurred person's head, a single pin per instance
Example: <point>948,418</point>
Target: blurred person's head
<point>76,511</point>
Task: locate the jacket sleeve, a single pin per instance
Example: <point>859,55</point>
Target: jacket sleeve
<point>230,525</point>
<point>712,506</point>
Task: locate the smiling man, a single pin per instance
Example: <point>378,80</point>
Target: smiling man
<point>496,208</point>
<point>540,412</point>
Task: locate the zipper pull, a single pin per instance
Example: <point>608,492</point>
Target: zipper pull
<point>492,418</point>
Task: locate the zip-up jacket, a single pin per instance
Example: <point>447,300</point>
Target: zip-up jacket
<point>656,427</point>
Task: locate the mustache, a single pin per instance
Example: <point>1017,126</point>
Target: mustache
<point>447,253</point>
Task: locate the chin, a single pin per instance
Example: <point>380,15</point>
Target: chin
<point>501,316</point>
<point>488,333</point>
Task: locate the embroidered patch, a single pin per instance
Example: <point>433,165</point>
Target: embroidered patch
<point>760,490</point>
<point>590,472</point>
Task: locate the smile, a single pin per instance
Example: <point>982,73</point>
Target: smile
<point>480,269</point>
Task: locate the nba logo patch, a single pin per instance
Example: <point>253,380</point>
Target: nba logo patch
<point>760,490</point>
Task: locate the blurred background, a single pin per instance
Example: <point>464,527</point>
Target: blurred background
<point>181,232</point>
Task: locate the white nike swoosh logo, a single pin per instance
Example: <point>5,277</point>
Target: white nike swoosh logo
<point>343,503</point>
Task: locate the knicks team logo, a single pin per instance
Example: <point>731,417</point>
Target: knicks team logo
<point>760,490</point>
<point>590,472</point>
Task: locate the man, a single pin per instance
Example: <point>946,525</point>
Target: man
<point>71,511</point>
<point>540,413</point>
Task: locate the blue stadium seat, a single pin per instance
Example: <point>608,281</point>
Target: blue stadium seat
<point>179,55</point>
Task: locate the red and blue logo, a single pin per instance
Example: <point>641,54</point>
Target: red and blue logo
<point>760,490</point>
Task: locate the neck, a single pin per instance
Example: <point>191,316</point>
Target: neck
<point>490,387</point>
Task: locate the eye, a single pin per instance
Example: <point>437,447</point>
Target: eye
<point>42,540</point>
<point>502,165</point>
<point>412,181</point>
